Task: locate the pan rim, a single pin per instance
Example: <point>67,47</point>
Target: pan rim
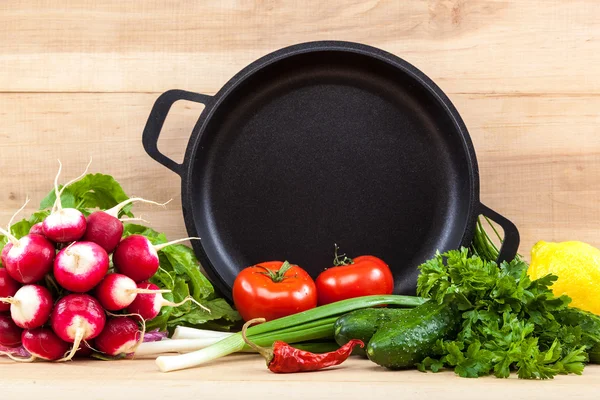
<point>310,47</point>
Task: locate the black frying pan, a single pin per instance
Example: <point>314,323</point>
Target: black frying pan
<point>323,143</point>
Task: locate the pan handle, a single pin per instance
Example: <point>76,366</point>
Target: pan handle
<point>510,244</point>
<point>156,121</point>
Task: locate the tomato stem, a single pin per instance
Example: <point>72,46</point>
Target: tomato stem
<point>341,260</point>
<point>279,275</point>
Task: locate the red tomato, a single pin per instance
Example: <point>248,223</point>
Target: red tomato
<point>273,290</point>
<point>363,276</point>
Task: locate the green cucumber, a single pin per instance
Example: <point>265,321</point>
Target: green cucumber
<point>362,324</point>
<point>403,343</point>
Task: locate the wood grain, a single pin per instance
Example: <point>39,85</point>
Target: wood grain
<point>247,376</point>
<point>476,46</point>
<point>539,156</point>
<point>78,79</point>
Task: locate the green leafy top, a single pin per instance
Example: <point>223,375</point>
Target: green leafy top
<point>179,269</point>
<point>508,321</point>
<point>179,272</point>
<point>93,191</point>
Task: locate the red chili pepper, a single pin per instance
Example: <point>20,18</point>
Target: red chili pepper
<point>283,358</point>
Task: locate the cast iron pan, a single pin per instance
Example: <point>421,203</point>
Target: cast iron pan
<point>323,143</point>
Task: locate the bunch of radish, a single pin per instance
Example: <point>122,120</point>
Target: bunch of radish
<point>101,309</point>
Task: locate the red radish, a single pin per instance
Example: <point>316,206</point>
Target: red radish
<point>43,343</point>
<point>121,335</point>
<point>4,252</point>
<point>148,305</point>
<point>137,257</point>
<point>117,291</point>
<point>64,224</point>
<point>30,307</point>
<point>105,228</point>
<point>77,317</point>
<point>28,259</point>
<point>10,222</point>
<point>80,266</point>
<point>85,350</point>
<point>8,288</point>
<point>10,333</point>
<point>37,229</point>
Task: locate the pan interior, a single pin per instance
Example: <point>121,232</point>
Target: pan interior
<point>329,147</point>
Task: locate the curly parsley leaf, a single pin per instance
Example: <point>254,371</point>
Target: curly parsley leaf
<point>509,322</point>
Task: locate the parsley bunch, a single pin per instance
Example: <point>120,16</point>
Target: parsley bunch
<point>509,322</point>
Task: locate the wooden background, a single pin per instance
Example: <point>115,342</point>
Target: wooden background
<point>78,78</point>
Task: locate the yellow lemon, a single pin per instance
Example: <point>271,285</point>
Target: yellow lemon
<point>577,266</point>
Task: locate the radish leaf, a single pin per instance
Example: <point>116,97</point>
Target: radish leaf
<point>92,191</point>
<point>180,272</point>
<point>179,269</point>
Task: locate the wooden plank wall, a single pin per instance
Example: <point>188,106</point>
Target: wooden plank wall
<point>78,78</point>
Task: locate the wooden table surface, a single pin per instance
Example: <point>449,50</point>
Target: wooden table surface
<point>246,377</point>
<point>78,78</point>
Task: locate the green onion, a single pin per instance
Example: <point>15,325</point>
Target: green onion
<point>482,245</point>
<point>308,325</point>
<point>309,331</point>
<point>312,324</point>
<point>333,309</point>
